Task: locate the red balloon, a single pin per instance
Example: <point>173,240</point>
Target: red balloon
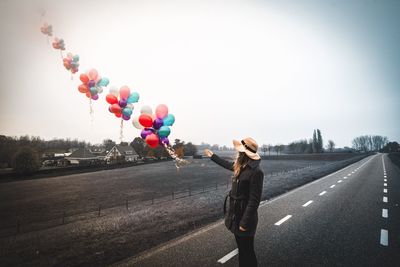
<point>152,140</point>
<point>146,120</point>
<point>88,95</point>
<point>111,99</point>
<point>84,78</point>
<point>83,88</point>
<point>118,115</point>
<point>115,108</point>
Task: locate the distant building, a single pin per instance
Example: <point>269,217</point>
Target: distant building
<point>82,156</point>
<point>126,153</point>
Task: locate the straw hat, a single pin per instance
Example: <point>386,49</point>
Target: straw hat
<point>248,146</point>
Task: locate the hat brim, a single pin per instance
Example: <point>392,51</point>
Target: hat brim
<point>240,148</point>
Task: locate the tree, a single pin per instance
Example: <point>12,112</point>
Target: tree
<point>391,147</point>
<point>108,144</point>
<point>190,149</point>
<point>264,148</point>
<point>315,142</point>
<point>26,161</point>
<point>320,142</point>
<point>331,145</point>
<point>140,147</point>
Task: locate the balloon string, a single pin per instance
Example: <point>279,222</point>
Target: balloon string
<point>179,162</point>
<point>91,109</point>
<point>62,57</point>
<point>121,131</point>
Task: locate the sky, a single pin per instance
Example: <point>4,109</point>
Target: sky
<point>273,70</point>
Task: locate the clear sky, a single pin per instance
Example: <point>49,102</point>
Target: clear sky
<point>273,70</point>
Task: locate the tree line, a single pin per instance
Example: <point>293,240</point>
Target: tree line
<point>368,143</point>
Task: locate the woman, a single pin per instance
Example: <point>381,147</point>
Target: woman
<point>247,183</point>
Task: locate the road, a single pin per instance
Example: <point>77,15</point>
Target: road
<point>348,218</point>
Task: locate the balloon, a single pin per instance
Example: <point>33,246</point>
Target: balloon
<point>88,95</point>
<point>161,111</point>
<point>126,118</point>
<point>93,90</point>
<point>157,123</point>
<point>91,83</point>
<point>127,112</point>
<point>146,110</point>
<point>122,103</point>
<point>84,78</point>
<point>145,120</point>
<point>130,105</point>
<point>115,108</point>
<point>83,88</point>
<point>145,132</point>
<point>164,141</point>
<point>103,81</point>
<point>124,92</point>
<point>118,115</point>
<point>95,97</point>
<point>133,98</point>
<point>152,140</point>
<point>93,74</point>
<point>114,91</point>
<point>169,120</point>
<point>111,99</point>
<point>99,89</point>
<point>75,58</point>
<point>164,131</point>
<point>136,123</point>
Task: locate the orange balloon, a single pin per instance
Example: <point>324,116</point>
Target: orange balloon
<point>93,74</point>
<point>88,95</point>
<point>84,78</point>
<point>83,88</point>
<point>111,99</point>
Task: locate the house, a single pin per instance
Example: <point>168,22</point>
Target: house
<point>83,156</point>
<point>118,152</point>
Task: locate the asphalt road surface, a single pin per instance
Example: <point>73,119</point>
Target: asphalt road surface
<point>348,218</point>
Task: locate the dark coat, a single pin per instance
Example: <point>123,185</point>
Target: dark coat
<point>244,198</point>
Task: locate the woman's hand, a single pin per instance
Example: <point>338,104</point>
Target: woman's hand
<point>208,152</point>
<point>242,229</point>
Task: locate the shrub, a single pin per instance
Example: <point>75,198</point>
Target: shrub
<point>26,161</point>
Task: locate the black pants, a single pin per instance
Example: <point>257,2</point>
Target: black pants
<point>247,256</point>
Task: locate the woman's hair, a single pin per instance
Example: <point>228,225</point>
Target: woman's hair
<point>241,161</point>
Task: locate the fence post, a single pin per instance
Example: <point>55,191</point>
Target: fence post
<point>203,188</point>
<point>126,204</point>
<point>227,183</point>
<point>99,210</point>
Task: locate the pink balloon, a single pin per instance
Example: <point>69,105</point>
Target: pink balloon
<point>124,92</point>
<point>93,74</point>
<point>161,111</point>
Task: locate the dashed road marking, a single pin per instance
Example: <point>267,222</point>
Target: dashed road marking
<point>384,184</point>
<point>349,174</point>
<point>287,217</point>
<point>385,213</point>
<point>385,190</point>
<point>339,181</point>
<point>307,203</point>
<point>384,180</point>
<point>332,186</point>
<point>385,199</point>
<point>384,237</point>
<point>228,256</point>
<point>322,193</point>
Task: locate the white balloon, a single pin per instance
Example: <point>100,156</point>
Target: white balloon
<point>129,105</point>
<point>99,89</point>
<point>114,91</point>
<point>146,110</point>
<point>136,123</point>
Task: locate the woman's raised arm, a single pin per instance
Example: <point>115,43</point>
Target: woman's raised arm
<point>221,162</point>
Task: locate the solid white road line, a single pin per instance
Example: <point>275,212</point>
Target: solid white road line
<point>307,203</point>
<point>385,199</point>
<point>385,190</point>
<point>384,237</point>
<point>332,186</point>
<point>228,256</point>
<point>322,193</point>
<point>287,217</point>
<point>339,181</point>
<point>384,213</point>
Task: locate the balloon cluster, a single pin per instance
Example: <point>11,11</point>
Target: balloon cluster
<point>155,128</point>
<point>71,62</point>
<point>92,84</point>
<point>58,43</point>
<point>121,102</point>
<point>47,29</point>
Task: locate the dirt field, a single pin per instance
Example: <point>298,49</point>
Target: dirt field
<point>56,221</point>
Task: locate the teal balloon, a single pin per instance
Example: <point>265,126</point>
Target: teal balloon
<point>93,90</point>
<point>169,120</point>
<point>127,112</point>
<point>75,58</point>
<point>164,131</point>
<point>103,82</point>
<point>133,98</point>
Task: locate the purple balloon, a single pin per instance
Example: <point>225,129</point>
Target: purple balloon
<point>122,103</point>
<point>126,118</point>
<point>91,83</point>
<point>157,123</point>
<point>145,132</point>
<point>95,97</point>
<point>164,141</point>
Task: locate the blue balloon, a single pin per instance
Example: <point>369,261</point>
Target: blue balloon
<point>93,91</point>
<point>164,131</point>
<point>75,58</point>
<point>133,98</point>
<point>169,120</point>
<point>103,82</point>
<point>127,112</point>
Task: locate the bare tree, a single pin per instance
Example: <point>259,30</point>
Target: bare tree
<point>264,148</point>
<point>331,146</point>
<point>270,147</point>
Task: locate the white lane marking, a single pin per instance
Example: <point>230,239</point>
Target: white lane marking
<point>332,186</point>
<point>352,172</point>
<point>384,176</point>
<point>322,193</point>
<point>384,184</point>
<point>384,180</point>
<point>385,213</point>
<point>384,237</point>
<point>345,177</point>
<point>228,256</point>
<point>287,217</point>
<point>307,203</point>
<point>385,199</point>
<point>385,190</point>
<point>349,174</point>
<point>339,181</point>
